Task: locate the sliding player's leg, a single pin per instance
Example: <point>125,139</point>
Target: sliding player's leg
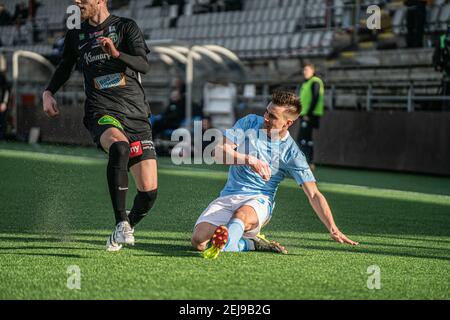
<point>245,227</point>
<point>202,235</point>
<point>228,237</point>
<point>218,213</point>
<point>252,237</point>
<point>245,219</point>
<point>241,233</point>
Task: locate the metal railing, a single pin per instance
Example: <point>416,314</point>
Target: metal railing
<point>370,98</point>
<point>365,97</point>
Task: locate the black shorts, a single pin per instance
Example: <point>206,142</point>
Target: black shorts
<point>141,141</point>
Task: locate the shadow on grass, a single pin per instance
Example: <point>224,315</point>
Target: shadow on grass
<point>364,250</point>
<point>81,191</point>
<point>53,240</point>
<point>46,248</point>
<point>158,249</point>
<point>368,243</point>
<point>75,204</point>
<point>411,238</point>
<point>165,250</point>
<point>57,255</point>
<point>171,250</point>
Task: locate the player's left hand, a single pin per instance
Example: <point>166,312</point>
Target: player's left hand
<point>109,47</point>
<point>338,236</point>
<point>3,107</point>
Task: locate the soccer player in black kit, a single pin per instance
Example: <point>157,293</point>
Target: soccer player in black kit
<point>113,53</point>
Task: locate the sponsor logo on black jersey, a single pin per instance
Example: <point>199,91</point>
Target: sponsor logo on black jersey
<point>89,58</point>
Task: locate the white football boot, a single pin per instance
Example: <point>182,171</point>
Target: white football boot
<point>123,234</point>
<point>111,245</point>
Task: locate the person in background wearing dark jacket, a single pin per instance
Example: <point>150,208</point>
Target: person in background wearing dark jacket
<point>312,95</point>
<point>173,116</point>
<point>5,16</point>
<point>33,6</point>
<point>415,22</point>
<point>20,14</point>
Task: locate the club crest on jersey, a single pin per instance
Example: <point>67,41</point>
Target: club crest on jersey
<point>114,37</point>
<point>110,81</point>
<point>82,36</point>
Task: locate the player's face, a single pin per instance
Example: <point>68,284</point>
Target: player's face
<point>89,8</point>
<point>275,119</point>
<point>308,72</point>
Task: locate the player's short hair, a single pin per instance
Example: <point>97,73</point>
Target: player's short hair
<point>288,100</point>
<point>309,64</point>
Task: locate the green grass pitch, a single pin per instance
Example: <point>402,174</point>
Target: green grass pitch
<point>55,212</point>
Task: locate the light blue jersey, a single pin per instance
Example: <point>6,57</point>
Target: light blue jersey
<point>283,156</point>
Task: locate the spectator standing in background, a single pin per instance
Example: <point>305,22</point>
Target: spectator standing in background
<point>312,98</point>
<point>172,117</point>
<point>20,14</point>
<point>415,22</point>
<point>5,16</point>
<point>33,6</point>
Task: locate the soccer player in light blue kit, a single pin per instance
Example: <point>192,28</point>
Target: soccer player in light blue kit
<point>261,153</point>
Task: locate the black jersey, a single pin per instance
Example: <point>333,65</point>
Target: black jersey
<point>111,86</point>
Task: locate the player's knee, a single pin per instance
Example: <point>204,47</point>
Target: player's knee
<point>197,243</point>
<point>150,185</point>
<point>119,152</point>
<point>249,222</point>
<point>241,215</point>
<point>199,240</point>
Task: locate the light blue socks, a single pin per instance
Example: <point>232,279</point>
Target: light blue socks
<point>235,242</point>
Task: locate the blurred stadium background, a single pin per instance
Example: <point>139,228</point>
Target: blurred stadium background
<point>383,98</point>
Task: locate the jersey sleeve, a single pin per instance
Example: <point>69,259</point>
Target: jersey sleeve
<point>135,40</point>
<point>237,133</point>
<point>298,167</point>
<point>65,67</point>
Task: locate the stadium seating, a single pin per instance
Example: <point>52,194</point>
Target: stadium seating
<point>263,31</point>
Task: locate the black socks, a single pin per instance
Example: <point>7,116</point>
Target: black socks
<point>143,202</point>
<point>117,174</point>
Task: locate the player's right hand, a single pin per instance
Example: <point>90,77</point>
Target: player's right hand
<point>49,103</point>
<point>338,236</point>
<point>260,167</point>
